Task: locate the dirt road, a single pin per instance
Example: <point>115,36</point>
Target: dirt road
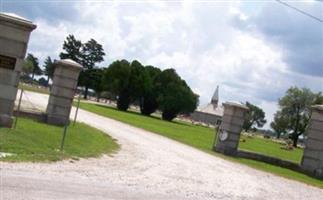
<point>148,166</point>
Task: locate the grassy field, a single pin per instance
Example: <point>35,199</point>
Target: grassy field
<point>202,138</point>
<point>268,147</point>
<point>34,88</point>
<point>34,141</point>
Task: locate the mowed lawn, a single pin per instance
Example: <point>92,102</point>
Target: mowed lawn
<point>35,141</point>
<point>268,147</point>
<point>202,138</point>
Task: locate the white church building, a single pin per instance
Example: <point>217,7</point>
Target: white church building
<point>212,113</point>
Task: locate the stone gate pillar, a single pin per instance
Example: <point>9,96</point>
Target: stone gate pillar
<point>230,128</point>
<point>61,97</point>
<point>312,161</point>
<point>14,37</point>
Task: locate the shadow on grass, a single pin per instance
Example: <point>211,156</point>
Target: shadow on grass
<point>142,115</point>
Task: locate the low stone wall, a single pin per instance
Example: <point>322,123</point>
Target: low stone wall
<point>32,115</point>
<point>275,161</point>
<point>269,160</point>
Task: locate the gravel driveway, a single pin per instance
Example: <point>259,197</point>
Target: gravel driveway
<point>148,166</point>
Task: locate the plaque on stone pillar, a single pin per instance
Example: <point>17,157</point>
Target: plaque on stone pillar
<point>230,128</point>
<point>7,62</point>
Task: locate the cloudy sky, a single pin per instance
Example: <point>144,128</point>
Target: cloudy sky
<point>254,50</point>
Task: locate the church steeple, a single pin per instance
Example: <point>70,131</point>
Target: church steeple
<point>215,97</point>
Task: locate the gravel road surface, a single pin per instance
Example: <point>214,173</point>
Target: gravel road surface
<point>148,166</point>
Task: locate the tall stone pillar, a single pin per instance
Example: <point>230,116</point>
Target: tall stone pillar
<point>312,161</point>
<point>230,128</point>
<point>62,92</point>
<point>14,37</point>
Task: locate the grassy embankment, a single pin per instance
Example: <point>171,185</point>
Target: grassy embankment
<point>34,88</point>
<point>202,138</point>
<point>38,142</point>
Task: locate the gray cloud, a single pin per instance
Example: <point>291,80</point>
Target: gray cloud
<point>300,37</point>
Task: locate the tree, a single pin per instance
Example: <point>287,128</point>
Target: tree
<point>116,80</point>
<point>32,64</point>
<point>87,55</point>
<point>91,53</point>
<point>42,82</point>
<point>295,106</point>
<point>138,82</point>
<point>27,69</point>
<point>149,103</point>
<point>173,95</point>
<point>72,48</point>
<point>49,68</point>
<point>255,117</point>
<point>96,77</point>
<point>280,123</point>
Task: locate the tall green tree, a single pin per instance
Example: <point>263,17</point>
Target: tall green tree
<point>49,68</point>
<point>280,124</point>
<point>255,117</point>
<point>296,107</point>
<point>174,96</point>
<point>33,64</point>
<point>138,82</point>
<point>116,79</point>
<point>27,69</point>
<point>149,103</point>
<point>72,49</point>
<point>96,75</point>
<point>92,52</point>
<point>87,54</point>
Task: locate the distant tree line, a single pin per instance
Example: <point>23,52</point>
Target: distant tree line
<point>31,67</point>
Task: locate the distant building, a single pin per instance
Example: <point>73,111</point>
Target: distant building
<point>210,114</point>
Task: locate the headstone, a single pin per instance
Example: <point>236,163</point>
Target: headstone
<point>62,92</point>
<point>312,161</point>
<point>230,128</point>
<point>14,37</point>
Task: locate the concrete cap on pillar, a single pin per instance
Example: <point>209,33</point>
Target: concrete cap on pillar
<point>317,107</point>
<point>16,20</point>
<point>69,63</point>
<point>235,104</point>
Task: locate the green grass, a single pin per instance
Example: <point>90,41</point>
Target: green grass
<point>202,138</point>
<point>286,173</point>
<point>34,141</point>
<point>34,88</point>
<point>270,148</point>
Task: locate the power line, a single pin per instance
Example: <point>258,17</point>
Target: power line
<point>298,10</point>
